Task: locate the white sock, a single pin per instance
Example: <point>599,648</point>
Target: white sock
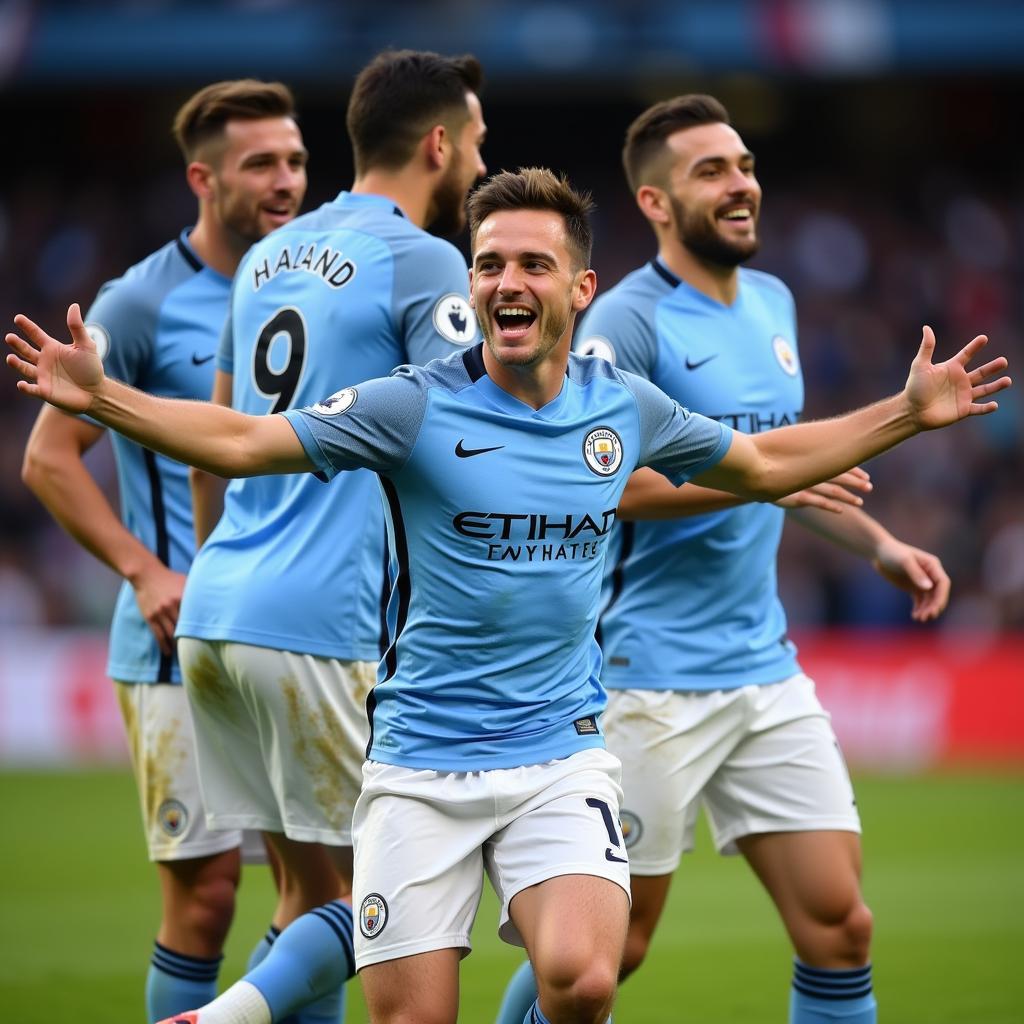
<point>241,1004</point>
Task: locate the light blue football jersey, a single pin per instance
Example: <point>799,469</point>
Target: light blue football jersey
<point>498,516</point>
<point>340,295</point>
<point>692,604</point>
<point>158,328</point>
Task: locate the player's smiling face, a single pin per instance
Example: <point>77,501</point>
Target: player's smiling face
<point>259,177</point>
<point>526,286</point>
<point>714,193</point>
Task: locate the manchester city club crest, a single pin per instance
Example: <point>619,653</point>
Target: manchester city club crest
<point>632,828</point>
<point>173,817</point>
<point>339,402</point>
<point>785,355</point>
<point>373,915</point>
<point>602,451</point>
<point>455,320</point>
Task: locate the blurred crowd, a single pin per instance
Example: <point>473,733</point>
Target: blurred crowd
<point>867,267</point>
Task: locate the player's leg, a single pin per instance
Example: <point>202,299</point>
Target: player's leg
<point>785,801</point>
<point>666,758</point>
<point>814,881</point>
<point>559,857</point>
<point>670,744</point>
<point>198,869</point>
<point>418,878</point>
<point>418,989</point>
<point>301,778</point>
<point>314,708</point>
<point>576,968</point>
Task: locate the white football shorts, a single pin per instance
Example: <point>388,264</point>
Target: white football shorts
<point>423,840</point>
<point>163,751</point>
<point>280,737</point>
<point>759,758</point>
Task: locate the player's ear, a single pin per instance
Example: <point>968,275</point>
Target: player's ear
<point>654,204</point>
<point>200,179</point>
<point>436,145</point>
<point>584,290</point>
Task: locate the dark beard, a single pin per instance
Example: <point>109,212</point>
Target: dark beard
<point>701,238</point>
<point>449,204</point>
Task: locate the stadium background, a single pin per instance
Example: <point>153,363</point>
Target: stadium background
<point>888,145</point>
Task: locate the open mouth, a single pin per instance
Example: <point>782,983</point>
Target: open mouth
<point>514,321</point>
<point>278,212</point>
<point>738,215</point>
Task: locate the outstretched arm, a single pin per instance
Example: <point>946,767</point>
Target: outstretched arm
<point>918,572</point>
<point>782,461</point>
<point>208,436</point>
<point>650,495</point>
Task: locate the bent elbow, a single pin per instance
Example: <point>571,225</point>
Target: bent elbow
<point>35,469</point>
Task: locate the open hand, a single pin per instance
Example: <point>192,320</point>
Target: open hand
<point>67,376</point>
<point>943,393</point>
<point>917,572</point>
<point>832,495</point>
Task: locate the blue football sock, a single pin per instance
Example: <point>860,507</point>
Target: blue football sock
<point>262,948</point>
<point>822,996</point>
<point>520,995</point>
<point>176,982</point>
<point>310,961</point>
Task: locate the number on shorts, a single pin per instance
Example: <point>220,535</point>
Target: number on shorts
<point>280,384</point>
<point>609,824</point>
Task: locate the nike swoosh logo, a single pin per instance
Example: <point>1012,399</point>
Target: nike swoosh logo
<point>608,855</point>
<point>468,453</point>
<point>196,361</point>
<point>691,365</point>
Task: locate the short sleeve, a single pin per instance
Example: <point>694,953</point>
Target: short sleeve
<point>618,330</point>
<point>371,426</point>
<point>226,348</point>
<point>431,299</point>
<point>122,324</point>
<point>673,440</point>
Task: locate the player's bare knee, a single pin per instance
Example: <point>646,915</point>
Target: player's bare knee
<point>584,995</point>
<point>856,930</point>
<point>208,908</point>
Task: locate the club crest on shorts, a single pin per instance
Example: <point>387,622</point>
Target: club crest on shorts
<point>172,817</point>
<point>602,451</point>
<point>100,338</point>
<point>632,828</point>
<point>597,345</point>
<point>373,915</point>
<point>785,355</point>
<point>455,320</point>
<point>339,402</point>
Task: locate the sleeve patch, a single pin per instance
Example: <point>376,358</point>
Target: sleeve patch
<point>597,345</point>
<point>100,338</point>
<point>455,320</point>
<point>339,402</point>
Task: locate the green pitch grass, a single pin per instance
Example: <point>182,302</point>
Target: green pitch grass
<point>944,876</point>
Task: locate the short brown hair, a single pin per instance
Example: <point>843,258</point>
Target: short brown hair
<point>645,137</point>
<point>537,188</point>
<point>204,116</point>
<point>399,96</point>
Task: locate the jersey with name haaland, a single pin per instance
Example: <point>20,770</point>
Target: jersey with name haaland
<point>498,516</point>
<point>340,295</point>
<point>157,328</point>
<point>692,604</point>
